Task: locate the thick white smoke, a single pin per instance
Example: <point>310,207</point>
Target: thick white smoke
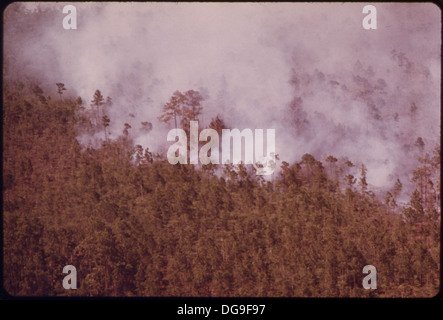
<point>310,71</point>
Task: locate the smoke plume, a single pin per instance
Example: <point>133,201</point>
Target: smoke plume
<point>311,71</point>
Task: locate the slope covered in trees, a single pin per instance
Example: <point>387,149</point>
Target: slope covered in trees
<point>134,225</point>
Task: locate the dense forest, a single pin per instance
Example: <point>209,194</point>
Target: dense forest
<point>135,225</point>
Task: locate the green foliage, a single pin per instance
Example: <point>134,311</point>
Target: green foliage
<point>134,225</point>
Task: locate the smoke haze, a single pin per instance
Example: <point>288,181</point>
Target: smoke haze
<point>311,71</point>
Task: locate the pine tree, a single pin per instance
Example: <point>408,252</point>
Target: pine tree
<point>331,160</point>
<point>97,101</point>
<point>173,108</point>
<point>419,143</point>
<point>105,122</point>
<point>414,212</point>
<point>397,188</point>
<point>60,89</point>
<point>126,129</point>
<point>186,105</point>
<point>217,124</point>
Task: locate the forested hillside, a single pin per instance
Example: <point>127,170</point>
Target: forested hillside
<point>134,225</point>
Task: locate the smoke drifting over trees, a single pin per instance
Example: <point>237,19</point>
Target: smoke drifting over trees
<point>327,85</point>
<point>356,115</point>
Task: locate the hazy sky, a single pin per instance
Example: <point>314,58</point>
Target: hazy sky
<point>354,86</point>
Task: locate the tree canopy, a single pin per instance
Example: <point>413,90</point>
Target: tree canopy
<point>135,225</point>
